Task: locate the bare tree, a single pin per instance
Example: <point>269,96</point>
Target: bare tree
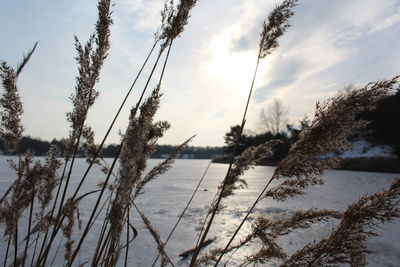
<point>275,118</point>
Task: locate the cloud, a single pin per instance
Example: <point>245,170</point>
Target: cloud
<point>386,23</point>
<point>331,44</point>
<point>143,15</point>
<point>326,48</point>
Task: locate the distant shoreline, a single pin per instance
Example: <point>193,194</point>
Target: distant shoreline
<point>375,164</point>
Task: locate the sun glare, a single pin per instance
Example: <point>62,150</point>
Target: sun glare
<point>231,69</point>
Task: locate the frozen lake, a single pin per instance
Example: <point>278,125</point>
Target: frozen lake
<point>165,198</point>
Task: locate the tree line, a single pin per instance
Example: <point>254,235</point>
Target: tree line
<point>383,128</point>
<point>40,148</point>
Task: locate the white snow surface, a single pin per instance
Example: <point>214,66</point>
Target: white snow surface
<point>166,197</point>
<point>363,149</point>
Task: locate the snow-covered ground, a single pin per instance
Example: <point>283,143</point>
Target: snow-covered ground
<point>165,198</point>
<point>363,149</point>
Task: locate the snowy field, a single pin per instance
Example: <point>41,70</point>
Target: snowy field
<point>165,198</point>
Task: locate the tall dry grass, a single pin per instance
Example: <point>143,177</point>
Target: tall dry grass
<point>40,188</point>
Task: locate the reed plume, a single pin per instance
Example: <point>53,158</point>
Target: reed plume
<point>347,241</point>
<point>334,121</point>
<point>306,161</point>
<point>248,159</point>
<point>50,177</point>
<point>139,142</point>
<point>11,105</point>
<point>273,28</point>
<point>90,59</point>
<point>156,236</point>
<point>11,128</point>
<point>303,167</point>
<point>174,19</point>
<point>160,168</point>
<point>183,14</point>
<point>34,180</point>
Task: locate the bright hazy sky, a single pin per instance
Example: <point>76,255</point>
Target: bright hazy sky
<point>331,44</point>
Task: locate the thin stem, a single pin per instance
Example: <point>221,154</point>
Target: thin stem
<point>54,206</point>
<point>196,253</point>
<point>34,250</point>
<point>205,220</point>
<point>103,230</point>
<point>244,219</point>
<point>104,261</point>
<point>57,250</point>
<point>29,228</point>
<point>69,176</point>
<point>237,248</point>
<point>103,249</point>
<point>71,166</point>
<point>8,191</point>
<point>184,211</point>
<point>96,256</point>
<point>97,153</point>
<point>155,239</point>
<point>7,250</point>
<point>127,239</point>
<point>17,219</point>
<point>16,243</point>
<point>110,172</point>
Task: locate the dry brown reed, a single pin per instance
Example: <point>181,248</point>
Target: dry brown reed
<point>174,19</point>
<point>273,28</point>
<point>11,104</point>
<point>248,159</point>
<point>90,58</point>
<point>156,236</point>
<point>307,160</point>
<point>346,243</point>
<point>334,121</point>
<point>181,14</point>
<point>139,142</point>
<point>303,167</point>
<point>160,168</point>
<point>305,163</point>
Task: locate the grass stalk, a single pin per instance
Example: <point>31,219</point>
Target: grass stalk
<point>34,249</point>
<point>112,254</point>
<point>127,238</point>
<point>116,158</point>
<point>29,228</point>
<point>243,220</point>
<point>102,144</point>
<point>53,208</point>
<point>8,191</point>
<point>96,256</point>
<point>219,198</point>
<point>103,249</point>
<point>7,250</point>
<point>57,250</point>
<point>16,243</point>
<point>205,220</point>
<point>183,212</point>
<point>103,229</point>
<point>152,231</point>
<point>71,166</point>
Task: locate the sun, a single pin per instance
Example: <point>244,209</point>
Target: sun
<point>232,70</point>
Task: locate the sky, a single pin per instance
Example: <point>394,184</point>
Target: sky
<point>330,45</point>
